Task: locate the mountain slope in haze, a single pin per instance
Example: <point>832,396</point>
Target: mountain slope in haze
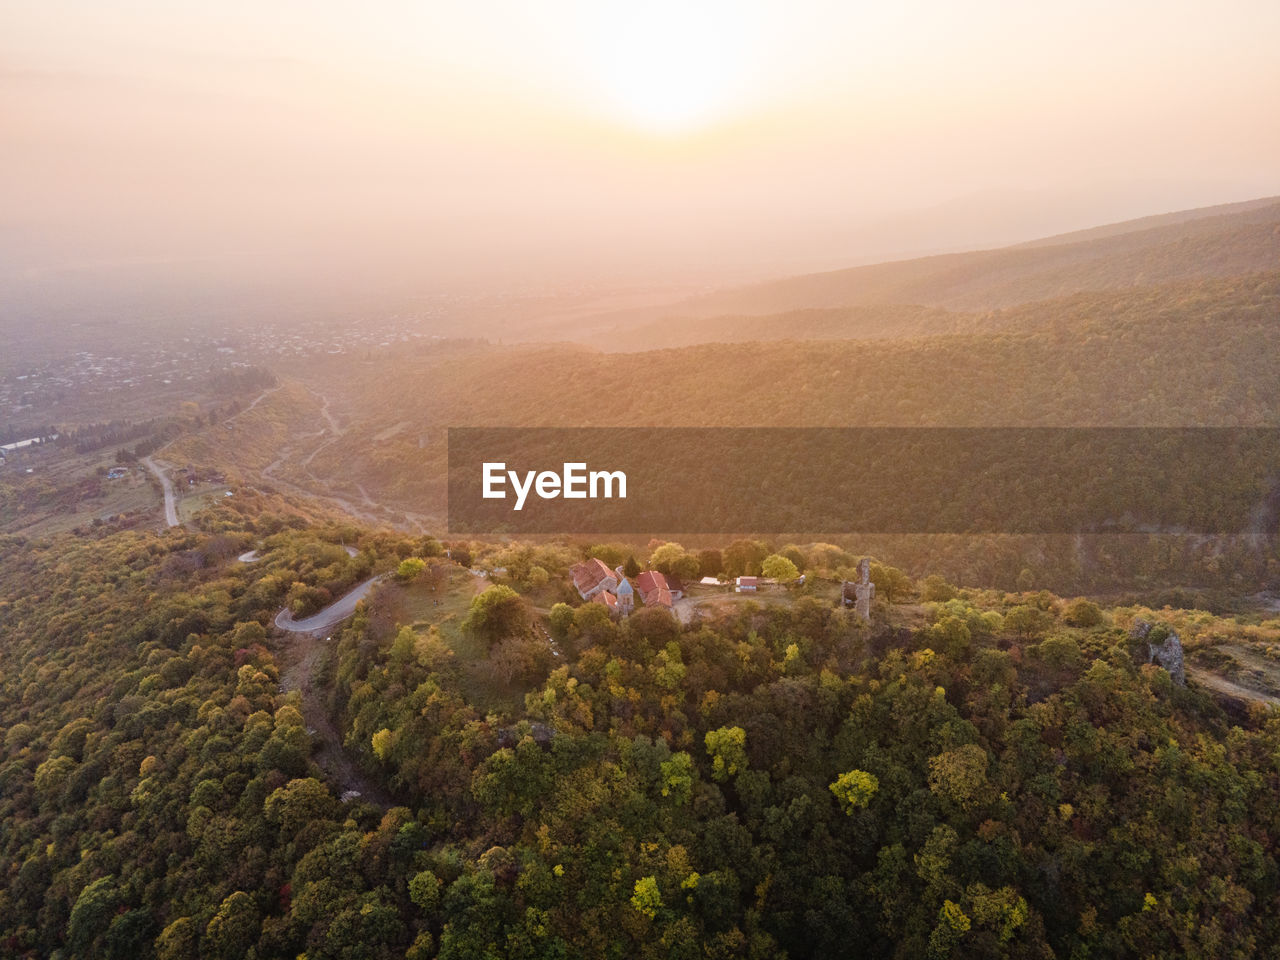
<point>1151,222</point>
<point>857,322</point>
<point>1179,247</point>
<point>1189,354</point>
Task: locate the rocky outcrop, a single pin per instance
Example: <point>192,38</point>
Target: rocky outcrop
<point>1164,649</point>
<point>510,737</point>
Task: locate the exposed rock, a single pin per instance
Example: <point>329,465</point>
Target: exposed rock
<point>510,737</point>
<point>1164,649</point>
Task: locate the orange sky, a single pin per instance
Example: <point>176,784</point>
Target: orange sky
<point>575,140</point>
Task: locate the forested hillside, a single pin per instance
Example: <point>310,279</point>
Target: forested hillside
<point>977,775</point>
<point>1201,353</point>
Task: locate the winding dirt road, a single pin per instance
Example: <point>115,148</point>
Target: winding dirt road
<point>1230,688</point>
<point>301,658</point>
<point>170,504</point>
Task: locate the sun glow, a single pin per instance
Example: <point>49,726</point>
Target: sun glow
<point>671,67</point>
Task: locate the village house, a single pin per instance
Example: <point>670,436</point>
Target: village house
<point>747,584</point>
<point>593,576</point>
<point>654,590</point>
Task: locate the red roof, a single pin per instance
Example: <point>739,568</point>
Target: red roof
<point>587,576</point>
<point>607,598</point>
<point>653,589</point>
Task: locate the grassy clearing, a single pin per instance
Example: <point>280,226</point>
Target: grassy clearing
<point>191,500</point>
<point>446,608</point>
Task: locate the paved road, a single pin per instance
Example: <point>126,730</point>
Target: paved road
<point>330,616</point>
<point>170,505</point>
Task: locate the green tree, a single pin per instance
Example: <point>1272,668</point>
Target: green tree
<point>612,554</point>
<point>934,589</point>
<point>560,621</point>
<point>710,563</point>
<point>672,560</point>
<point>855,789</point>
<point>460,553</point>
<point>891,583</point>
<point>951,635</point>
<point>1060,651</point>
<point>410,569</point>
<point>646,897</point>
<point>778,567</point>
<point>677,777</point>
<point>382,742</point>
<point>298,803</point>
<point>960,775</point>
<point>91,915</point>
<point>234,928</point>
<point>727,748</point>
<point>1083,613</point>
<point>1027,621</point>
<point>177,941</point>
<point>796,556</point>
<point>424,890</point>
<point>404,646</point>
<point>743,558</point>
<point>952,925</point>
<point>496,613</point>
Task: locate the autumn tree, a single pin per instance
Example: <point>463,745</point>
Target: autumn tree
<point>496,613</point>
<point>778,567</point>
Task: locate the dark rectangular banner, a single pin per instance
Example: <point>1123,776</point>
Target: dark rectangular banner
<point>965,480</point>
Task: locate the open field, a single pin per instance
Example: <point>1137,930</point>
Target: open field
<point>444,610</point>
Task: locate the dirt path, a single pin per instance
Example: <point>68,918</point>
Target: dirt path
<point>256,400</point>
<point>170,504</point>
<point>336,430</point>
<point>301,655</point>
<point>331,432</point>
<point>301,452</point>
<point>1222,685</point>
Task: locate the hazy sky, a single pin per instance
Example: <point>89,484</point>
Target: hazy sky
<point>447,141</point>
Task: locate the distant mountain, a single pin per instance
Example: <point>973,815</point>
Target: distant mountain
<point>858,322</point>
<point>1159,220</point>
<point>1224,241</point>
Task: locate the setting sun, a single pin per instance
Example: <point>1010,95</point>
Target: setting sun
<point>670,67</point>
